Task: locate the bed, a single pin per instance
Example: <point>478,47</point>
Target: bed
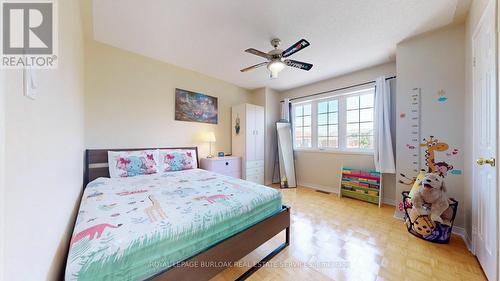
<point>183,225</point>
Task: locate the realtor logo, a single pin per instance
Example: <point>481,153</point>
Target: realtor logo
<point>28,34</point>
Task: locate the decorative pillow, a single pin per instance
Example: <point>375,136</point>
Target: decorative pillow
<point>177,159</point>
<point>132,163</point>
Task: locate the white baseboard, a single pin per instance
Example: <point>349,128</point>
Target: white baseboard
<point>389,201</point>
<point>399,215</point>
<point>468,242</point>
<point>457,230</point>
<point>460,231</point>
<point>319,187</point>
<point>334,190</point>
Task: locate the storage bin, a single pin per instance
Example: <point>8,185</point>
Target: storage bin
<point>422,227</point>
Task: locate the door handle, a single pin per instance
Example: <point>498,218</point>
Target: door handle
<point>482,161</point>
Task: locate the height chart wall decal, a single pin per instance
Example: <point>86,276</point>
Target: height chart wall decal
<point>415,126</point>
<point>427,141</point>
<point>408,175</point>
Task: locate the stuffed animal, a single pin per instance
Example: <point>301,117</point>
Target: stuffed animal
<point>433,192</point>
<point>418,183</point>
<point>421,224</point>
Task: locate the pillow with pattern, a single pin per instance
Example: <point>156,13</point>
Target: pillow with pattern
<point>177,159</point>
<point>132,163</point>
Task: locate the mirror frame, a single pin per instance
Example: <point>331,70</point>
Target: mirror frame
<point>293,153</point>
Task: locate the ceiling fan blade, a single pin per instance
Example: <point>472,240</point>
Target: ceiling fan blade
<point>258,53</point>
<point>295,48</point>
<point>253,67</point>
<point>299,64</point>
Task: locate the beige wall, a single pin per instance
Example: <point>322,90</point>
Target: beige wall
<point>273,109</point>
<point>129,102</point>
<point>2,173</point>
<point>270,99</point>
<point>432,62</point>
<point>320,170</point>
<point>475,13</point>
<point>44,153</point>
<point>129,99</point>
<point>258,96</point>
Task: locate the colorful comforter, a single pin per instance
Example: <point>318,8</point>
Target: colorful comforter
<point>133,228</point>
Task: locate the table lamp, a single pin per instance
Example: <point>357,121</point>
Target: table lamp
<point>210,138</point>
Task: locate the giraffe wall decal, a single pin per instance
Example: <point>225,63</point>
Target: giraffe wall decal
<point>432,145</point>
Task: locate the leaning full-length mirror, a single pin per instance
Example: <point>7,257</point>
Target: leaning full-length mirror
<point>285,152</point>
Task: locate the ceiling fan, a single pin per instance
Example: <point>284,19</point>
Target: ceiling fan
<point>275,62</point>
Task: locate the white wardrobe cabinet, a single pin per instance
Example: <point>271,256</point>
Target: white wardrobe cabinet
<point>248,140</point>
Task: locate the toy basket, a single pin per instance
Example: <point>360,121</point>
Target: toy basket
<point>423,227</point>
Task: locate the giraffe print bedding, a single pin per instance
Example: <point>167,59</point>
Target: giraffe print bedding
<point>132,228</point>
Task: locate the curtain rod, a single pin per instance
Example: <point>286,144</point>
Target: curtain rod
<point>339,89</point>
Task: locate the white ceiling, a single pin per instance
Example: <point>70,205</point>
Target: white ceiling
<point>210,36</point>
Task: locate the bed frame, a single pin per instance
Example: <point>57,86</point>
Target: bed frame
<point>226,252</point>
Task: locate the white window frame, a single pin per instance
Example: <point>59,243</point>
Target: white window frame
<point>316,105</point>
<point>312,124</point>
<point>342,129</point>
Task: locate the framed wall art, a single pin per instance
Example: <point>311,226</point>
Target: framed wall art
<point>195,107</point>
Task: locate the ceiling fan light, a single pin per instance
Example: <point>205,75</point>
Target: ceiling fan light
<point>275,67</point>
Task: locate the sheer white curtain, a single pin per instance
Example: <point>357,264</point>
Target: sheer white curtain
<point>383,156</point>
<point>285,110</point>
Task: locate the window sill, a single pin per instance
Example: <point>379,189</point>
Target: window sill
<point>336,151</point>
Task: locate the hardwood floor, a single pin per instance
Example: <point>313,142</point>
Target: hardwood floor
<point>345,239</point>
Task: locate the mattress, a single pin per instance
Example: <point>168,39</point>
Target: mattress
<point>133,228</point>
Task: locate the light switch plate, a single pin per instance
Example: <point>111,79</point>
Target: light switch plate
<point>30,83</point>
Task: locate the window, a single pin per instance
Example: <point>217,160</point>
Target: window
<point>302,125</point>
<point>359,119</point>
<point>328,124</point>
<point>337,122</point>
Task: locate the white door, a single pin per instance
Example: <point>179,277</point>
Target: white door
<point>485,142</point>
<point>259,133</point>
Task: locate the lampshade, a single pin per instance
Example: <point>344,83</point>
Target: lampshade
<point>210,137</point>
<point>275,67</point>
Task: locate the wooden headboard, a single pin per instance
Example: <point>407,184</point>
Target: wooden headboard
<point>96,161</point>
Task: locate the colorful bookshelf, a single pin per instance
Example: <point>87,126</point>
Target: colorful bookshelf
<point>361,185</point>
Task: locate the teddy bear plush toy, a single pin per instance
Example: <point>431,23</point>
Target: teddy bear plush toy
<point>433,193</point>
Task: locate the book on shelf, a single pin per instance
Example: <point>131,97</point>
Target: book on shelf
<point>361,185</point>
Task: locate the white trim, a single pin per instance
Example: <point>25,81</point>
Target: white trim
<point>302,125</point>
<point>460,231</point>
<point>314,120</point>
<point>468,242</point>
<point>335,151</point>
<point>398,214</point>
<point>342,122</point>
<point>470,238</point>
<point>324,188</point>
<point>388,201</point>
<point>497,47</point>
<point>336,191</point>
<point>457,230</point>
<point>481,19</point>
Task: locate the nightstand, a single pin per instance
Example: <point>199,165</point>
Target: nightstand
<point>228,165</point>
